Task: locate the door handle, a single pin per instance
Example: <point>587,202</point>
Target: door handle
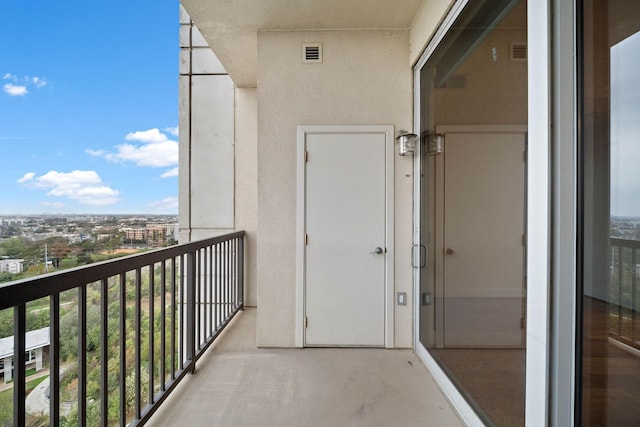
<point>422,261</point>
<point>377,250</point>
<point>451,251</point>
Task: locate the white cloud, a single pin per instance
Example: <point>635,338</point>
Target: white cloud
<point>39,82</point>
<point>15,90</point>
<point>149,136</point>
<point>20,86</point>
<point>155,155</point>
<point>168,204</point>
<point>172,130</point>
<point>151,148</point>
<point>170,173</point>
<point>95,153</point>
<point>84,187</point>
<point>27,177</point>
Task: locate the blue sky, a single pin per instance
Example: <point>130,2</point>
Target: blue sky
<point>88,106</point>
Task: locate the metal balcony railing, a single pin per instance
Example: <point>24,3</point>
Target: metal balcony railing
<point>125,332</point>
<point>624,291</point>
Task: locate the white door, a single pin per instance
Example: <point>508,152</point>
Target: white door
<point>345,205</point>
<point>483,244</point>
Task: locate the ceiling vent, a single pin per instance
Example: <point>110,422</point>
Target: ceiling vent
<point>518,51</point>
<point>312,53</point>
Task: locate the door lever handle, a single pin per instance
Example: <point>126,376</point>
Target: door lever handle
<point>451,251</point>
<point>377,250</point>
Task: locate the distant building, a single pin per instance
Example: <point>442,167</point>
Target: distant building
<point>135,233</point>
<point>13,266</point>
<point>157,235</point>
<point>36,343</point>
<point>7,222</point>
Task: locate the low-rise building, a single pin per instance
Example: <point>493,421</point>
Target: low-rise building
<point>13,266</point>
<point>37,342</point>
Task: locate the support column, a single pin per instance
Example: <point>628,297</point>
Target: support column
<point>206,104</point>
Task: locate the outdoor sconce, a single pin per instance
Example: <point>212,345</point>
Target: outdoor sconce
<point>406,143</point>
<point>435,144</point>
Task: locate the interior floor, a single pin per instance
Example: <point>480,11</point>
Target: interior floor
<point>493,380</point>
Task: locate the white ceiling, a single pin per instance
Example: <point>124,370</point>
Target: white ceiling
<point>230,26</point>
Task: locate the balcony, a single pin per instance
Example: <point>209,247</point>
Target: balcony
<point>237,384</point>
<point>162,338</point>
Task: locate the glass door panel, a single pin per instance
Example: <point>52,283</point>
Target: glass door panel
<point>473,99</point>
<point>609,356</point>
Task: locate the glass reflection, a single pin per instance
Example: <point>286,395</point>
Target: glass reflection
<point>474,92</point>
<point>609,391</point>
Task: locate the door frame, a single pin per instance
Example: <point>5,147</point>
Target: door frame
<point>303,131</point>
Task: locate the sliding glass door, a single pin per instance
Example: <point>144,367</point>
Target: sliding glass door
<point>472,284</point>
<point>609,248</point>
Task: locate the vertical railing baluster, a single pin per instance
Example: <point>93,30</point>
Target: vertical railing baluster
<point>104,353</point>
<point>235,273</point>
<point>211,273</point>
<point>183,306</point>
<point>633,294</point>
<point>204,292</point>
<point>123,350</point>
<point>138,344</point>
<point>173,318</point>
<point>198,299</point>
<point>19,360</point>
<point>234,292</point>
<point>191,315</point>
<point>82,355</point>
<point>241,271</point>
<point>226,279</point>
<point>229,279</point>
<point>217,279</point>
<point>163,323</point>
<point>54,360</point>
<point>151,369</point>
<point>620,278</point>
<point>222,282</point>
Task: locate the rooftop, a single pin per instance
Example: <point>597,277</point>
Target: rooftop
<point>34,339</point>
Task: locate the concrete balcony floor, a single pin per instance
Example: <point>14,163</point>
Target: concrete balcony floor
<point>237,384</point>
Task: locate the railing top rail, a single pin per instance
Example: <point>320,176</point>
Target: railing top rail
<point>25,290</point>
<point>625,243</point>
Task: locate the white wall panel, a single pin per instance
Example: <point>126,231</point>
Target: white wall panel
<point>212,181</point>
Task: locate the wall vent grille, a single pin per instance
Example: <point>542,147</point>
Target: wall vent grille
<point>518,51</point>
<point>312,53</point>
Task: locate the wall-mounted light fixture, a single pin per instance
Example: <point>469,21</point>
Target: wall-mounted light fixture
<point>435,144</point>
<point>406,143</point>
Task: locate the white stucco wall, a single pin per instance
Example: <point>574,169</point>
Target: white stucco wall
<point>246,172</point>
<point>365,78</point>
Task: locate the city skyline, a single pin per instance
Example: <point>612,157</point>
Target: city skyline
<point>88,100</point>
